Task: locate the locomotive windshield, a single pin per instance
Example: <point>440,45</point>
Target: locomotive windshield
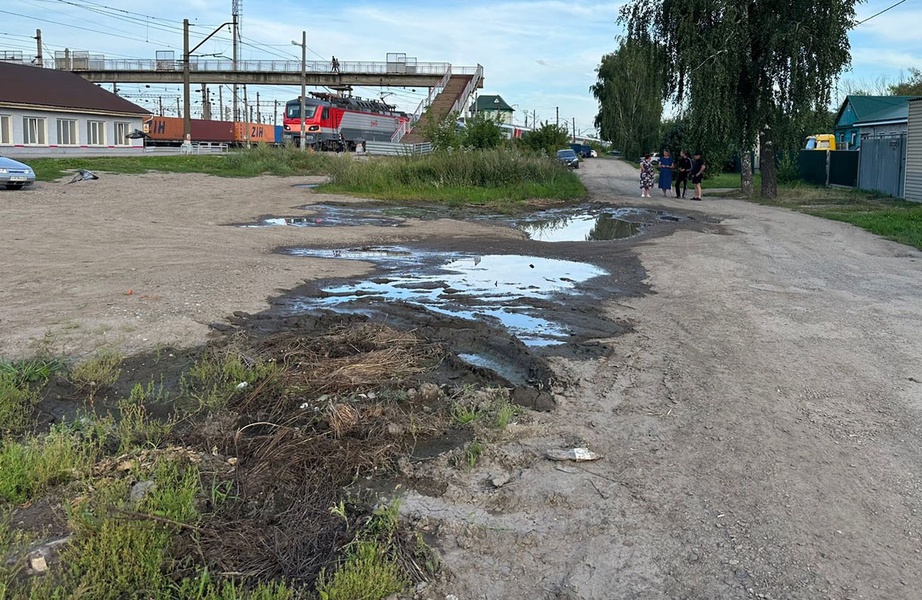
<point>294,111</point>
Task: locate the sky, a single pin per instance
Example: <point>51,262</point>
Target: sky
<point>541,56</point>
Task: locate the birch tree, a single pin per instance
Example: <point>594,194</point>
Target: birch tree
<point>630,91</point>
<point>746,68</point>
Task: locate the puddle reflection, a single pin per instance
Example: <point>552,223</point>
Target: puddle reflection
<point>499,288</point>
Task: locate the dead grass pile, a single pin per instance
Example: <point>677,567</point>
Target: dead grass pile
<point>336,410</point>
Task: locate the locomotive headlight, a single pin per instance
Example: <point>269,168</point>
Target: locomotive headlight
<point>314,128</point>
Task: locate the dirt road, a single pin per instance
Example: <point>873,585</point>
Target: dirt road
<point>759,426</point>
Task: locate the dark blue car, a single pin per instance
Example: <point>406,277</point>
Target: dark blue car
<point>568,157</point>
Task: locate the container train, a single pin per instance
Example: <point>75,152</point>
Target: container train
<point>333,122</point>
<point>168,131</point>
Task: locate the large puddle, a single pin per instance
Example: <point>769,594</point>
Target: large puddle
<point>584,225</point>
<point>509,290</point>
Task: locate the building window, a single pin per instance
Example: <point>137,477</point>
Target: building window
<point>6,129</point>
<point>854,136</point>
<point>96,133</point>
<point>33,130</point>
<point>121,132</point>
<point>67,132</point>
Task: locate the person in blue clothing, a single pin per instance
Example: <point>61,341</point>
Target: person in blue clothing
<point>665,172</point>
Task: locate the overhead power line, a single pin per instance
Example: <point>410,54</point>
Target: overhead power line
<point>879,13</point>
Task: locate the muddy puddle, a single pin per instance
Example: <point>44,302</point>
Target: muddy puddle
<point>498,312</point>
<point>507,290</point>
<point>324,215</point>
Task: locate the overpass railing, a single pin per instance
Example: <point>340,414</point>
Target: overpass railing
<point>262,66</point>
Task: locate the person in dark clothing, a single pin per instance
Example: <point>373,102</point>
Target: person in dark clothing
<point>697,174</point>
<point>682,166</point>
<point>334,65</point>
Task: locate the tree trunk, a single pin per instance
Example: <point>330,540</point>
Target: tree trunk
<point>746,172</point>
<point>767,165</point>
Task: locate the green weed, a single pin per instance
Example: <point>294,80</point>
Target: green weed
<point>215,378</point>
<point>464,413</point>
<point>33,465</point>
<point>135,428</point>
<point>17,400</point>
<point>98,372</point>
<point>252,162</point>
<point>117,551</point>
<point>474,452</point>
<point>32,370</point>
<point>370,570</point>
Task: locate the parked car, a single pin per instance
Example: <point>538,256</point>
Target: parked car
<point>14,174</point>
<point>568,157</point>
<point>654,158</point>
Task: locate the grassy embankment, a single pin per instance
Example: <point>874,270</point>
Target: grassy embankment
<point>493,176</point>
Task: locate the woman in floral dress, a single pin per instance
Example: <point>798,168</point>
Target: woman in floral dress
<point>646,176</point>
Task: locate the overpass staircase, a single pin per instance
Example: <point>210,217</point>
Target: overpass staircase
<point>451,95</point>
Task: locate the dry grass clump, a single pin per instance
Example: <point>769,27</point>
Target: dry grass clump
<point>333,411</point>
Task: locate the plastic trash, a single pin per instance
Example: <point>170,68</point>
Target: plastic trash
<point>574,454</point>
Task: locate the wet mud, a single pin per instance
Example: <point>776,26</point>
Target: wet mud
<point>501,308</point>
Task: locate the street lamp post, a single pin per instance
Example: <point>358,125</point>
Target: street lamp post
<point>303,45</point>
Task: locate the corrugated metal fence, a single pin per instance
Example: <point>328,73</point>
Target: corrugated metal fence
<point>882,164</point>
<point>913,185</point>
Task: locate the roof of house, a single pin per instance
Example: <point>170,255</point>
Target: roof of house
<point>486,102</point>
<point>876,108</point>
<point>49,88</point>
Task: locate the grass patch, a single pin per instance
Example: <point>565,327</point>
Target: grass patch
<point>33,465</point>
<point>896,220</point>
<point>458,177</point>
<point>371,569</point>
<point>17,400</point>
<point>252,162</point>
<point>216,377</point>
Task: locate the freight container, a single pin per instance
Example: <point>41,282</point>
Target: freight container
<point>254,133</point>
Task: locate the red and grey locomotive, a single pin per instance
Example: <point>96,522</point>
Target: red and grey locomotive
<point>333,122</point>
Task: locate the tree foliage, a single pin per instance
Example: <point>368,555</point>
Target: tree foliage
<point>479,131</point>
<point>909,87</point>
<point>547,139</point>
<point>629,90</point>
<point>482,131</point>
<point>746,69</point>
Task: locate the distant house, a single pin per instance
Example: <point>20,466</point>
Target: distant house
<point>494,107</point>
<point>864,116</point>
<point>49,109</point>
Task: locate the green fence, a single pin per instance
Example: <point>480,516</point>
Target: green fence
<point>811,165</point>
